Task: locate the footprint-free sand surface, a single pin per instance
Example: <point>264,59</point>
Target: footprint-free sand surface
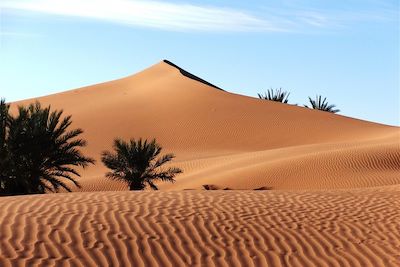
<point>332,199</point>
<point>203,228</point>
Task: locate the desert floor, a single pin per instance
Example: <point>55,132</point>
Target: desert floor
<point>203,228</point>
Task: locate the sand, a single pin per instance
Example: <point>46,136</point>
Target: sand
<point>331,184</point>
<point>226,139</point>
<point>203,228</point>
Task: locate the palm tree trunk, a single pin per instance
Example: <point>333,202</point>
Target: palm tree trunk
<point>136,186</point>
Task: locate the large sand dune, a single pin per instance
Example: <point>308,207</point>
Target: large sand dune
<point>337,201</point>
<point>229,140</point>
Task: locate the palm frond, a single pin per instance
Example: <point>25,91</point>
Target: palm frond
<point>162,160</point>
<point>276,95</point>
<point>136,162</point>
<point>42,151</point>
<point>321,104</point>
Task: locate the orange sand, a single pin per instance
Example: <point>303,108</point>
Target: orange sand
<point>229,140</point>
<point>338,181</point>
<point>357,228</point>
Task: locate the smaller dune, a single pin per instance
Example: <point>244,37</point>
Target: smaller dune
<point>203,228</point>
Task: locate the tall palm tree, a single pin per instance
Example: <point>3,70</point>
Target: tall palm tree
<point>320,104</point>
<point>275,95</point>
<point>136,163</point>
<point>42,151</point>
<point>5,165</point>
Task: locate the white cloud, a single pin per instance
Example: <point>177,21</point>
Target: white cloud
<point>155,14</point>
<point>288,16</point>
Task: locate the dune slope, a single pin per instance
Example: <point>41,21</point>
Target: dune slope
<point>226,139</point>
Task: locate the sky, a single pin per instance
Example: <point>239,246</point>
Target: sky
<point>347,51</point>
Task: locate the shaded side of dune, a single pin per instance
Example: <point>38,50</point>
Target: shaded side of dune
<point>190,75</point>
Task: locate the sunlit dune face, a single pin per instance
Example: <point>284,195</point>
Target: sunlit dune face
<point>228,140</point>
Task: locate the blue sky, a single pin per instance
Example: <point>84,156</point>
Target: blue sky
<point>347,51</point>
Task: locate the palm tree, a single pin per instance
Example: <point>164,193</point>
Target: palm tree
<point>136,163</point>
<point>4,155</point>
<point>42,151</point>
<point>320,104</point>
<point>275,95</point>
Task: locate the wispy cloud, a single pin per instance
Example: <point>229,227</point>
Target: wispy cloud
<point>155,14</point>
<point>190,17</point>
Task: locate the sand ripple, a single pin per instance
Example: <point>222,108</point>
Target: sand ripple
<point>203,228</point>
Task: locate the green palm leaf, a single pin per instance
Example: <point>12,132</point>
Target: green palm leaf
<point>137,163</point>
<point>42,151</point>
<point>321,104</point>
<point>276,95</point>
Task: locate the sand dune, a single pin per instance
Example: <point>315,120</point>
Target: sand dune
<point>203,228</point>
<point>227,139</point>
<point>338,181</point>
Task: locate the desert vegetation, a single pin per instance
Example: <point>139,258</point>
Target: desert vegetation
<point>321,104</point>
<point>277,95</point>
<point>38,151</point>
<point>137,163</point>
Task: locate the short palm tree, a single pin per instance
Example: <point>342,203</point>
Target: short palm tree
<point>136,163</point>
<point>41,152</point>
<point>275,95</point>
<point>320,104</point>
